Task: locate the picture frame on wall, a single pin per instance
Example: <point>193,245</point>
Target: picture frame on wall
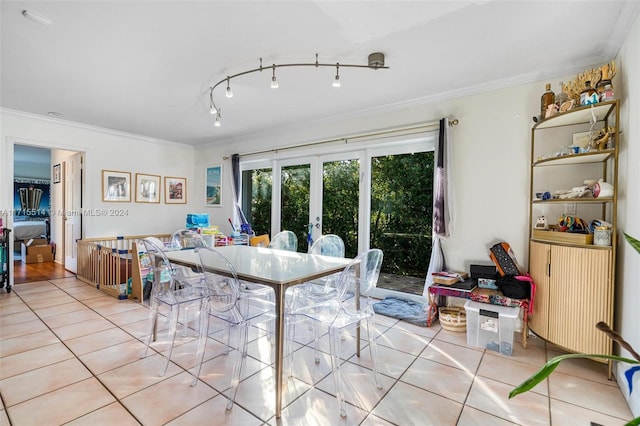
<point>175,190</point>
<point>57,173</point>
<point>213,186</point>
<point>147,188</point>
<point>116,186</point>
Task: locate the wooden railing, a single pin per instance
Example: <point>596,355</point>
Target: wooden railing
<point>109,262</point>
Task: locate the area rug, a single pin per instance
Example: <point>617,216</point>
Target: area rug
<point>406,310</point>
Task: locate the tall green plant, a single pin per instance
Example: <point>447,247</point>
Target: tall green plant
<point>634,243</point>
<point>553,363</point>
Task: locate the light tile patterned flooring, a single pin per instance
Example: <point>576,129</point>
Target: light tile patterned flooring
<point>70,354</point>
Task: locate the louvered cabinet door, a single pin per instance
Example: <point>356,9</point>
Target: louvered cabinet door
<point>539,258</point>
<point>580,295</point>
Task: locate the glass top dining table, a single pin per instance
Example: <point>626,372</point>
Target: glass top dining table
<point>278,269</point>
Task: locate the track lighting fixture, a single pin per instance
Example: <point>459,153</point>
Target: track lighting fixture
<point>375,61</point>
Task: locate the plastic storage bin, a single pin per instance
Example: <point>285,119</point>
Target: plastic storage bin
<point>491,326</point>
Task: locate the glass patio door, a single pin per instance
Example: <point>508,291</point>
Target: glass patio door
<point>319,195</point>
<point>400,217</point>
<point>291,206</point>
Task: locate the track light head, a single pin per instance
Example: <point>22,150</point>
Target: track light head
<point>229,93</point>
<point>336,81</point>
<point>274,82</point>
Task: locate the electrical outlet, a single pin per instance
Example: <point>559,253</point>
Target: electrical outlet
<point>570,208</point>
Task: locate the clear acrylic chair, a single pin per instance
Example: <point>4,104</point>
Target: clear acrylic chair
<point>164,291</point>
<point>285,240</point>
<point>186,239</point>
<point>323,289</point>
<point>338,314</point>
<point>316,291</point>
<point>227,303</point>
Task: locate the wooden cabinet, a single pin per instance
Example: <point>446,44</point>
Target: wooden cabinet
<point>574,278</point>
<point>573,293</point>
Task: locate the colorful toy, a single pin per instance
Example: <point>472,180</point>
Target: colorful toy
<point>572,224</point>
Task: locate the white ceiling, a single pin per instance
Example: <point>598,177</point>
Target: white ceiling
<point>145,67</point>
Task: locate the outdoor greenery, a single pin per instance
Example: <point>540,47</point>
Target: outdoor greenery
<point>401,206</point>
<point>258,209</point>
<point>401,211</point>
<point>340,188</point>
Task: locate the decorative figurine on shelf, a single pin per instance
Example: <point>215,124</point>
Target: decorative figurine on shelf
<point>541,223</point>
<point>601,139</point>
<point>552,110</point>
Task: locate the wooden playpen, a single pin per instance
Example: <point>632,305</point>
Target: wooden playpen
<point>109,263</point>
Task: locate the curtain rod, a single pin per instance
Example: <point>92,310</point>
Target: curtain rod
<point>345,139</point>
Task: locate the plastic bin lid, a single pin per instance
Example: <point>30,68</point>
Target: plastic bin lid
<point>503,311</point>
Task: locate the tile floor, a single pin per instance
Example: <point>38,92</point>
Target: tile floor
<point>70,354</point>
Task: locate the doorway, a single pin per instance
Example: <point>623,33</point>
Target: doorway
<point>52,165</point>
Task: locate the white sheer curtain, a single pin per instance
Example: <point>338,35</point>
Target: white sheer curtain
<point>443,218</point>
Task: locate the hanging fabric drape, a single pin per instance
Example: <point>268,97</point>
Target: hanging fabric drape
<point>235,171</point>
<point>442,203</point>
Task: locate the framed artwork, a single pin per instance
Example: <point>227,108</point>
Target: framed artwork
<point>175,190</point>
<point>213,189</point>
<point>56,173</point>
<point>116,186</point>
<point>147,188</point>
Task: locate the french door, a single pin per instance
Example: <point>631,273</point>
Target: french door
<point>318,195</point>
<point>376,197</point>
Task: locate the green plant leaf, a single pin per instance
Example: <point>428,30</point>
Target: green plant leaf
<point>553,363</point>
<point>634,422</point>
<point>634,243</point>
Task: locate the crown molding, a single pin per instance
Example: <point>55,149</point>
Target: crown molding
<point>90,127</point>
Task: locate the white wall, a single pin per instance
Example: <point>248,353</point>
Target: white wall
<point>106,150</point>
<point>628,263</point>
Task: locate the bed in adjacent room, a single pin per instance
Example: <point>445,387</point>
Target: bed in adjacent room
<point>24,230</point>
